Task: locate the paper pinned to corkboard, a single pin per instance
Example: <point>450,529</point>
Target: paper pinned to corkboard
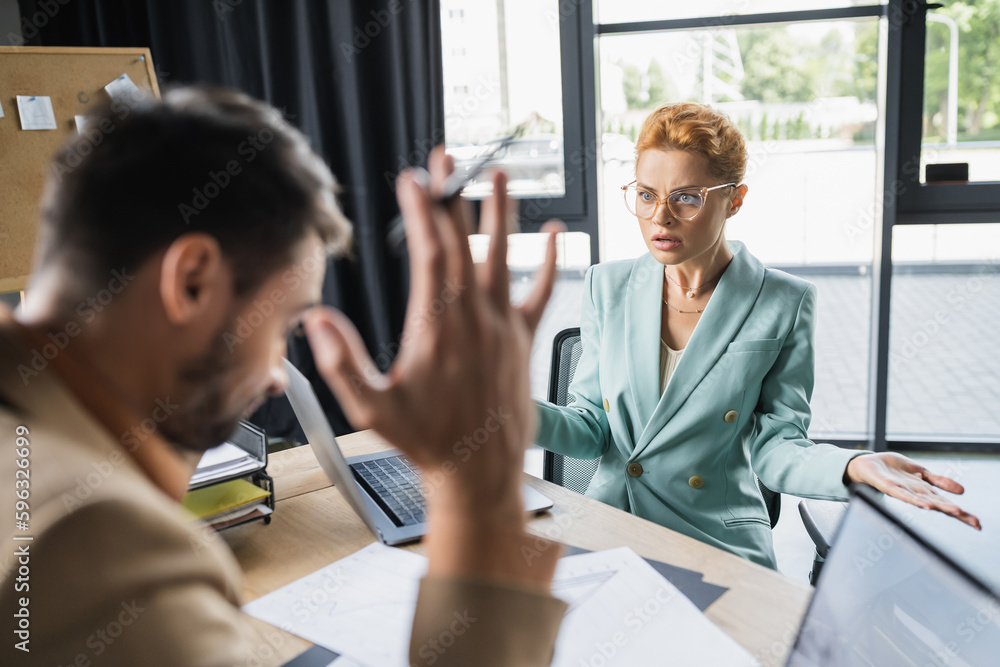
<point>74,80</point>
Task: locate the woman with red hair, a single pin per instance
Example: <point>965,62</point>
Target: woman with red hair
<point>697,363</point>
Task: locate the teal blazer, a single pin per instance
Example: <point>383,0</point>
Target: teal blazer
<point>737,404</point>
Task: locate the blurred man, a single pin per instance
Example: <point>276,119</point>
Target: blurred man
<point>160,236</point>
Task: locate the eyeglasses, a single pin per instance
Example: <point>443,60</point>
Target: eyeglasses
<point>685,204</point>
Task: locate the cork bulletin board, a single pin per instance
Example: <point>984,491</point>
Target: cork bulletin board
<point>74,79</point>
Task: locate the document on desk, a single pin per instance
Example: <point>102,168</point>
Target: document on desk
<point>621,612</point>
<point>361,606</point>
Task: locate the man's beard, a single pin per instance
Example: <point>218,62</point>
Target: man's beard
<point>200,424</point>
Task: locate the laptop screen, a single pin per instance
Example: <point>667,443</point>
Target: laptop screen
<point>887,598</point>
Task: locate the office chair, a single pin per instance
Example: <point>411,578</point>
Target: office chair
<point>576,474</point>
<point>772,500</point>
<point>821,519</point>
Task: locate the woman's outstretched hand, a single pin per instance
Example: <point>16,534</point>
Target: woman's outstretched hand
<point>901,477</point>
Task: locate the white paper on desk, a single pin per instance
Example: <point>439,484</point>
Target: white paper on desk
<point>124,91</point>
<point>1,110</point>
<point>621,609</point>
<point>361,606</point>
<point>36,112</point>
<point>623,612</point>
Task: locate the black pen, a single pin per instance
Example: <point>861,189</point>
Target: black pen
<point>453,187</point>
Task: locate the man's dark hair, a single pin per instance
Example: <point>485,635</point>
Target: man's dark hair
<point>202,160</point>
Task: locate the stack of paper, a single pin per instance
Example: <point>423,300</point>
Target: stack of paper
<point>226,460</point>
<point>226,503</point>
<point>622,612</point>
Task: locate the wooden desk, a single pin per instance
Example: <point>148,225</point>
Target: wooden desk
<point>313,526</point>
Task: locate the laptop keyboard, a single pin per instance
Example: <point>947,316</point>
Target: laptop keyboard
<point>394,484</point>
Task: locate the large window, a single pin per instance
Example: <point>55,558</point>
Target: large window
<point>519,64</point>
<point>844,104</point>
<point>944,352</point>
<point>961,119</point>
<point>805,96</point>
<point>492,85</point>
<point>940,238</point>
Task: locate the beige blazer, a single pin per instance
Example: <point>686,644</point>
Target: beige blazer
<point>118,574</point>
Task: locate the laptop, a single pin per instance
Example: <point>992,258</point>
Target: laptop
<point>383,488</point>
<point>888,597</point>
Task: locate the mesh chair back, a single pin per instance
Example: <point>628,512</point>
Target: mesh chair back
<point>574,474</point>
<point>772,499</point>
<point>566,350</point>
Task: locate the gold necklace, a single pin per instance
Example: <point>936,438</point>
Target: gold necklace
<point>690,292</point>
<point>686,312</point>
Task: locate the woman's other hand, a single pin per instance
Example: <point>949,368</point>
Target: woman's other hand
<point>901,477</point>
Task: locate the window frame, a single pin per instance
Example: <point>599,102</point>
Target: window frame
<point>922,203</point>
<point>578,207</point>
<point>906,201</point>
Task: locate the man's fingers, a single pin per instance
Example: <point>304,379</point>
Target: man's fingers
<point>344,362</point>
<point>534,305</point>
<point>427,259</point>
<point>452,227</point>
<point>440,165</point>
<point>494,224</point>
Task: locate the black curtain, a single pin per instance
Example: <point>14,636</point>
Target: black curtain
<point>361,79</point>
